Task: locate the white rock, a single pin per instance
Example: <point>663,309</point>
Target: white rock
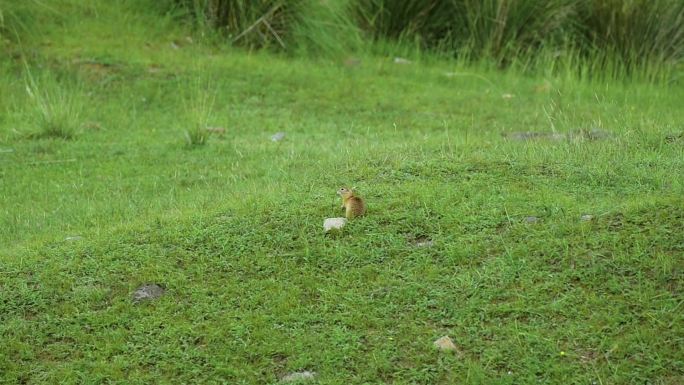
<point>587,217</point>
<point>334,223</point>
<point>73,238</point>
<point>148,292</point>
<point>401,60</point>
<point>445,344</point>
<point>427,243</point>
<point>278,136</point>
<point>298,376</point>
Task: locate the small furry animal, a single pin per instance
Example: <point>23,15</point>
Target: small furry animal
<point>353,205</point>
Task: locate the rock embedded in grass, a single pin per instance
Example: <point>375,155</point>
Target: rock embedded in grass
<point>445,344</point>
<point>298,377</point>
<point>73,238</point>
<point>423,242</point>
<point>277,137</point>
<point>583,134</point>
<point>427,243</point>
<point>531,219</point>
<point>586,217</point>
<point>532,135</point>
<point>401,60</point>
<point>593,133</point>
<point>148,292</point>
<point>334,224</point>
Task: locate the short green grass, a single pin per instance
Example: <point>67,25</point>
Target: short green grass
<point>233,229</point>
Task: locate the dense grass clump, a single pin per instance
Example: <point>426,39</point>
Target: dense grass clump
<point>286,25</point>
<point>198,108</point>
<point>638,33</point>
<point>500,30</point>
<point>630,35</point>
<point>254,23</point>
<point>18,18</point>
<point>54,108</point>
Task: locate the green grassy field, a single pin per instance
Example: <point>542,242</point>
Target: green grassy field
<point>102,193</point>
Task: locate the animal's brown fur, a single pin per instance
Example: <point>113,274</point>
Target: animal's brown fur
<point>354,205</point>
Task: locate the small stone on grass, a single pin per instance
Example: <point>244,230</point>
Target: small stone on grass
<point>401,60</point>
<point>531,219</point>
<point>277,137</point>
<point>594,133</point>
<point>445,344</point>
<point>423,242</point>
<point>334,223</point>
<point>147,292</point>
<point>73,238</point>
<point>532,135</point>
<point>427,243</point>
<point>586,217</point>
<point>298,377</point>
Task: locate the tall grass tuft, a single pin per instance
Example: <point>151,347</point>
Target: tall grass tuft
<point>56,106</point>
<point>325,28</point>
<point>639,33</point>
<point>251,23</point>
<point>198,104</point>
<point>18,18</point>
<point>499,29</point>
<point>293,26</point>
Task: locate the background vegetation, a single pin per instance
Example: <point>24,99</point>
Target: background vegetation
<point>536,217</point>
<point>616,37</point>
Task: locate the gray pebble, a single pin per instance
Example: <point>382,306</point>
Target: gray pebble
<point>531,219</point>
<point>277,137</point>
<point>298,377</point>
<point>147,292</point>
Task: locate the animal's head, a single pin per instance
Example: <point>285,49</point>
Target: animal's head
<point>345,192</point>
